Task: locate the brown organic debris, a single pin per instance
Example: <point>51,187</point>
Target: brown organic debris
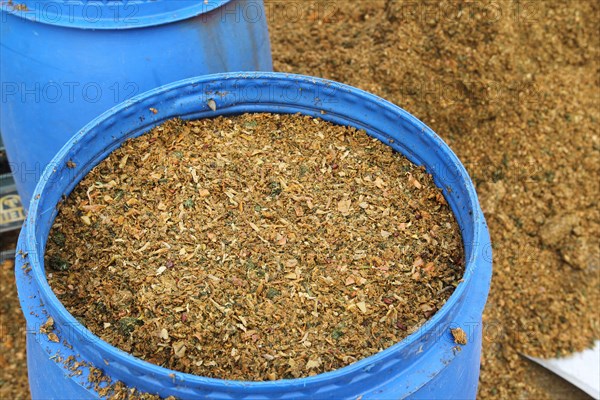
<point>460,337</point>
<point>48,326</point>
<point>53,338</point>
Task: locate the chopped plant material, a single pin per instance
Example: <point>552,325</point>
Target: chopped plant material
<point>127,325</point>
<point>53,338</point>
<point>13,360</point>
<point>59,239</point>
<point>102,383</point>
<point>460,337</point>
<point>250,257</point>
<point>48,326</point>
<point>57,263</point>
<point>212,104</point>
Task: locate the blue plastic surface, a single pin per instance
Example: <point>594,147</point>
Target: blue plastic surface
<point>62,63</point>
<point>119,14</point>
<point>426,365</point>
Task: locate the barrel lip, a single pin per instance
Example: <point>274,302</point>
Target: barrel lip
<point>477,266</point>
<point>109,14</point>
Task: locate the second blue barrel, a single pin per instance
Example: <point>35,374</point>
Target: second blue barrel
<point>65,62</point>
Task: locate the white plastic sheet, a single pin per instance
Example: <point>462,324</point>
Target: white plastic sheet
<point>581,369</point>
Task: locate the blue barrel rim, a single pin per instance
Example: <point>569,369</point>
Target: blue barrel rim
<point>109,14</point>
<point>480,235</point>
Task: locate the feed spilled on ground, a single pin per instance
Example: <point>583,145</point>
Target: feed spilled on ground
<point>255,247</point>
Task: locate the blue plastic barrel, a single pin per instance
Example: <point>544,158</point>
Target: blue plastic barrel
<point>63,63</point>
<point>425,365</point>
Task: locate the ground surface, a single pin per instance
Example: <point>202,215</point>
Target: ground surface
<point>513,88</point>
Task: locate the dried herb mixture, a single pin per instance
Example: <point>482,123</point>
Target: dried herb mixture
<point>255,247</point>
